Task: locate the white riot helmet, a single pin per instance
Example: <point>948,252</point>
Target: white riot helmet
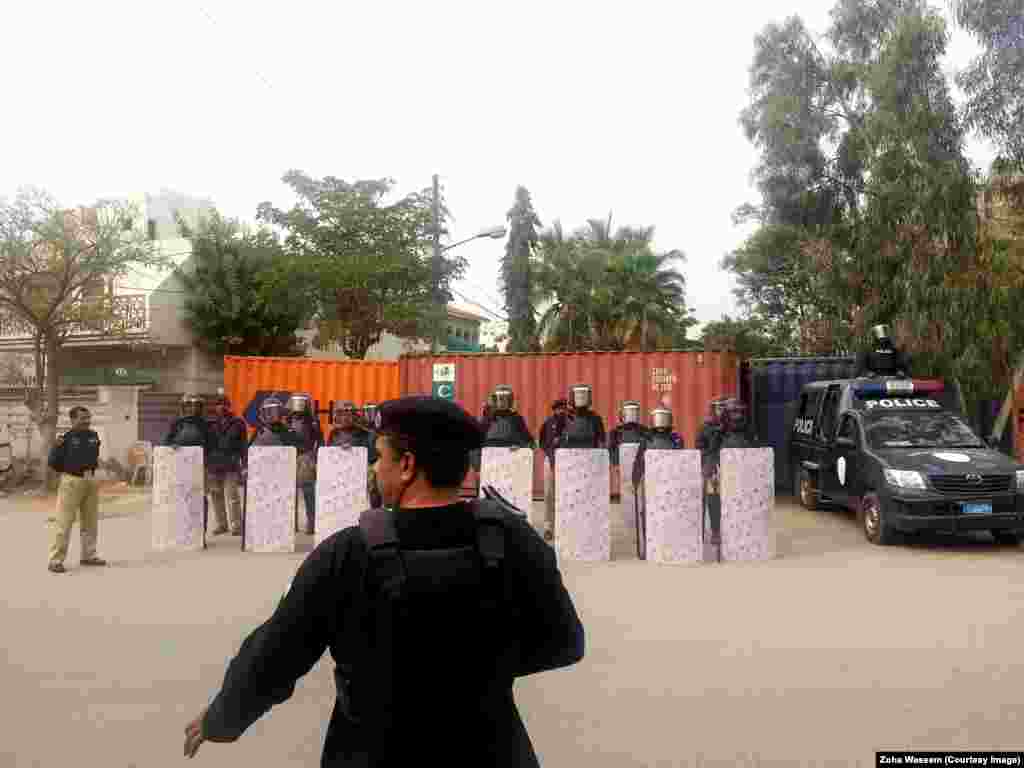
<point>629,412</point>
<point>661,418</point>
<point>503,397</point>
<point>300,403</point>
<point>581,396</point>
<point>271,409</point>
<point>191,405</point>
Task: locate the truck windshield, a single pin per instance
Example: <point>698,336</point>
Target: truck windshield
<point>916,429</point>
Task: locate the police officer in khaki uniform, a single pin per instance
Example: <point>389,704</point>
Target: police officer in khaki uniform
<point>75,457</point>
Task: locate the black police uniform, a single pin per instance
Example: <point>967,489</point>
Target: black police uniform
<point>76,452</point>
<point>883,360</point>
<point>227,439</point>
<point>507,429</point>
<point>584,430</point>
<point>189,431</point>
<point>451,674</point>
<point>276,435</point>
<point>624,433</point>
<point>551,434</point>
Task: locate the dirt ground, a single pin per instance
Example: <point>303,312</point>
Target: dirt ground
<point>820,657</point>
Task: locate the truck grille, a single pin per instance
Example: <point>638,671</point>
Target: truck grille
<point>961,486</point>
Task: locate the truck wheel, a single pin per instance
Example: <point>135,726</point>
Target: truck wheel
<point>1009,538</point>
<point>806,488</point>
<point>872,518</point>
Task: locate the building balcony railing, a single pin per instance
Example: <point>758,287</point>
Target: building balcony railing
<point>129,316</point>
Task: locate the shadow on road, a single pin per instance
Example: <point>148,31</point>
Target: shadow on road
<point>830,529</point>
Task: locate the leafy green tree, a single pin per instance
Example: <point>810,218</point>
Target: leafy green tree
<point>610,290</point>
<point>748,338</point>
<point>232,303</point>
<point>360,259</point>
<point>58,267</point>
<point>992,81</point>
<point>517,274</point>
<point>862,165</point>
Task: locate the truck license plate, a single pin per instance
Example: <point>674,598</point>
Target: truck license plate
<point>977,509</point>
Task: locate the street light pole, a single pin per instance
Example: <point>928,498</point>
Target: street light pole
<point>438,308</point>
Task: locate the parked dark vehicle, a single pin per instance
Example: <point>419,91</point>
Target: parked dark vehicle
<point>771,387</point>
<point>899,453</point>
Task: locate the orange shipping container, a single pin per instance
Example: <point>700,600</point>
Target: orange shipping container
<point>685,381</point>
<point>360,381</point>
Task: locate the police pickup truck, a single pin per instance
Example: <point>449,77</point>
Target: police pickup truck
<point>897,452</point>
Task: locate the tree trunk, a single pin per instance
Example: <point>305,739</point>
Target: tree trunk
<point>42,401</point>
<point>1004,412</point>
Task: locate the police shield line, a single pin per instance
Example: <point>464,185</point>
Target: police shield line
<point>572,427</point>
<point>222,439</point>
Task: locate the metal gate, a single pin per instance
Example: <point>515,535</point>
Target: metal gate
<point>157,410</point>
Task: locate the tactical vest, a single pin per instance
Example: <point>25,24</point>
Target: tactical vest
<point>631,433</point>
<point>302,427</point>
<point>580,432</point>
<point>462,590</point>
<point>266,437</point>
<point>660,440</point>
<point>189,433</point>
<point>502,432</point>
<point>735,440</point>
<point>357,438</point>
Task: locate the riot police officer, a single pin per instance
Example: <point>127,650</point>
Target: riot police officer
<point>192,427</point>
<point>432,608</point>
<point>628,430</point>
<point>585,429</point>
<point>76,456</point>
<point>730,434</point>
<point>506,428</point>
<point>273,429</point>
<point>884,359</point>
<point>306,426</point>
<point>350,432</point>
<point>660,436</point>
<point>370,412</point>
<point>550,436</point>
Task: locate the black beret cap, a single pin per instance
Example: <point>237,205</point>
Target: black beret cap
<point>432,423</point>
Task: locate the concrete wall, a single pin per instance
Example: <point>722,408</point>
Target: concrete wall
<point>114,417</point>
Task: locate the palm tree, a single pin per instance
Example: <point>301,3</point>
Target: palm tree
<point>608,291</point>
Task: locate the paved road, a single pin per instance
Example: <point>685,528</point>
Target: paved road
<point>820,657</point>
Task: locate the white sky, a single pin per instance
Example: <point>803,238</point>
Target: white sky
<point>629,108</point>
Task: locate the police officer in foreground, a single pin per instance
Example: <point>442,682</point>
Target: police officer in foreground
<point>431,608</point>
<point>192,427</point>
<point>660,437</point>
<point>885,359</point>
<point>76,456</point>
